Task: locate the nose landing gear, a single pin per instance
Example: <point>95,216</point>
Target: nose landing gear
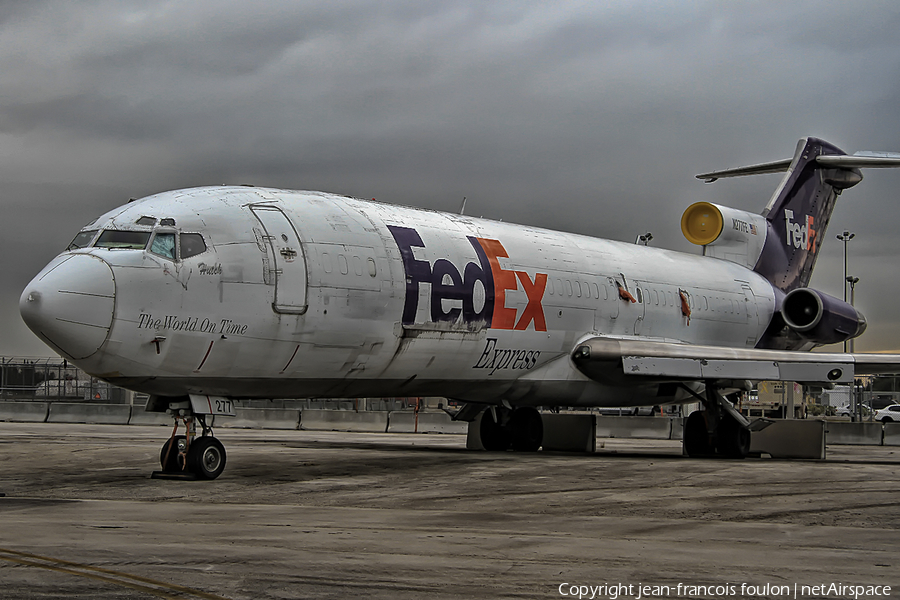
<point>189,456</point>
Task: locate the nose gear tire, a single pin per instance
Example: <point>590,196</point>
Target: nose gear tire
<point>206,457</point>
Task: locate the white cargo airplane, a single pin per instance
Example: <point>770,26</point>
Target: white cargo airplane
<point>206,295</point>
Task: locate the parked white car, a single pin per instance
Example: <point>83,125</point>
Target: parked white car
<point>888,414</point>
<point>849,411</point>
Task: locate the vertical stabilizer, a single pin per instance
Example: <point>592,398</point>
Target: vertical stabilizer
<point>799,212</point>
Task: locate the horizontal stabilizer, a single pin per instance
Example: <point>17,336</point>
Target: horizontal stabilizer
<point>859,160</point>
<point>770,167</point>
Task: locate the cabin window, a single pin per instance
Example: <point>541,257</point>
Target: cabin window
<point>597,292</point>
<point>123,240</point>
<point>568,287</point>
<point>148,221</point>
<point>587,289</point>
<point>578,289</point>
<point>163,244</point>
<point>372,268</point>
<point>640,297</point>
<point>82,240</point>
<point>342,264</point>
<point>671,299</point>
<point>192,244</point>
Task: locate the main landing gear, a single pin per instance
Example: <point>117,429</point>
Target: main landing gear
<point>719,429</point>
<point>503,428</point>
<point>191,456</point>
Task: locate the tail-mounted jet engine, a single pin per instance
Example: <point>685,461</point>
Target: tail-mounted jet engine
<point>821,318</point>
<point>726,233</point>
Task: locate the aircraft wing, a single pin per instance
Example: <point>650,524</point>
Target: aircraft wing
<point>600,357</point>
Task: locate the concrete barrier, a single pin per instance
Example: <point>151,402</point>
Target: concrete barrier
<point>570,433</point>
<point>892,434</point>
<point>790,438</point>
<point>139,416</point>
<point>82,412</point>
<point>24,412</point>
<point>653,428</point>
<point>859,434</point>
<point>428,422</point>
<point>262,418</point>
<point>343,420</point>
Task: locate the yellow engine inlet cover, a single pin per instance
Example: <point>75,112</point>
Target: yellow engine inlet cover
<point>702,223</point>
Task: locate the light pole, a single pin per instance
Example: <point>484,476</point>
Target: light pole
<point>845,237</point>
<point>852,281</point>
<point>856,392</point>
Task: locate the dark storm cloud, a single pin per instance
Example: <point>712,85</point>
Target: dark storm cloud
<point>587,117</point>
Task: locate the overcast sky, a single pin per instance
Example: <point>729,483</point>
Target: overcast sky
<point>591,117</point>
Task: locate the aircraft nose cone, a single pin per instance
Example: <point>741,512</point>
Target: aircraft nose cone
<point>70,304</point>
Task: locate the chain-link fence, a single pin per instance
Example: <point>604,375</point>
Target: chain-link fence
<point>42,379</point>
<point>54,379</point>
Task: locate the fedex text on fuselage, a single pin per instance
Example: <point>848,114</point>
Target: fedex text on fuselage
<point>448,282</point>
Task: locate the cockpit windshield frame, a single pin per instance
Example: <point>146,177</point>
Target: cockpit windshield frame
<point>165,242</point>
<point>83,239</point>
<point>122,239</point>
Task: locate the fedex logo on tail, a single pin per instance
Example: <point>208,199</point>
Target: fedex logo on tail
<point>453,293</point>
<point>799,236</point>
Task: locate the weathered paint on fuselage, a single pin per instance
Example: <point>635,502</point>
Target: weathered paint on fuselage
<point>381,300</point>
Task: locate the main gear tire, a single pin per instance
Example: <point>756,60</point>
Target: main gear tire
<point>172,461</point>
<point>494,436</point>
<point>732,438</point>
<point>696,435</point>
<point>526,429</point>
<point>206,457</point>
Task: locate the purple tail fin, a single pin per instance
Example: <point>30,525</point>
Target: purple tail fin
<point>798,214</point>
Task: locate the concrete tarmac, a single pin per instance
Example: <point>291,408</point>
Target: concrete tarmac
<point>300,514</point>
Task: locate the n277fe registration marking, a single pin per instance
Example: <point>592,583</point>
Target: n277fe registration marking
<point>212,405</point>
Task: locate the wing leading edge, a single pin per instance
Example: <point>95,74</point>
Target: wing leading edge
<point>602,358</point>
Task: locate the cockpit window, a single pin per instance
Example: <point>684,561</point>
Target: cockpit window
<point>150,221</point>
<point>126,240</point>
<point>164,245</point>
<point>192,244</point>
<point>82,240</point>
<point>167,222</point>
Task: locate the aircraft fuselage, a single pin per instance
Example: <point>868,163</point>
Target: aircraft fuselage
<point>304,294</point>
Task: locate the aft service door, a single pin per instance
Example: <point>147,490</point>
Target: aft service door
<point>287,262</point>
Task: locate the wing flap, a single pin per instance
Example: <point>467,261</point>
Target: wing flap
<point>754,370</point>
<point>604,359</point>
<point>694,368</point>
